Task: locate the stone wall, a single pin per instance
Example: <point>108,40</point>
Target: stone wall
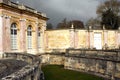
<point>81,39</point>
<point>32,71</point>
<point>57,59</point>
<point>101,63</point>
<point>57,39</point>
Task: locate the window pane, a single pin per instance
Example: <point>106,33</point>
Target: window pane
<point>12,31</point>
<point>15,32</point>
<point>38,33</point>
<point>30,33</point>
<point>29,37</point>
<point>13,36</point>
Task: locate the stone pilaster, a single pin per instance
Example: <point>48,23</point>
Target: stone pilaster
<point>6,31</point>
<point>87,40</point>
<point>23,46</point>
<point>118,39</point>
<point>76,39</point>
<point>36,38</point>
<point>43,38</point>
<point>91,39</point>
<point>105,32</point>
<point>1,35</point>
<point>46,39</point>
<point>72,38</point>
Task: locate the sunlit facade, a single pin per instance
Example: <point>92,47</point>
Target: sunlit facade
<point>21,28</point>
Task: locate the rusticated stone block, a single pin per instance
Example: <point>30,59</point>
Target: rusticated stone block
<point>117,74</point>
<point>118,67</point>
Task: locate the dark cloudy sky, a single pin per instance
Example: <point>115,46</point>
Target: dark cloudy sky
<point>57,10</point>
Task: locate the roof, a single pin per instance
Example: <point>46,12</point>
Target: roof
<point>22,9</point>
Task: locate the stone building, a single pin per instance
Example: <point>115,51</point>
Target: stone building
<point>21,28</point>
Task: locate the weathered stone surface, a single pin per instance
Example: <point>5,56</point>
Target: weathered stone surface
<point>9,66</point>
<point>17,71</point>
<point>104,63</point>
<point>81,39</point>
<point>53,59</point>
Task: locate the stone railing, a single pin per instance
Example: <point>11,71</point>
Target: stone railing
<point>112,55</point>
<point>31,59</point>
<point>32,71</point>
<point>98,62</point>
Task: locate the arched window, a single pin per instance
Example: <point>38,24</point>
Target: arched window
<point>39,37</point>
<point>29,37</point>
<point>13,36</point>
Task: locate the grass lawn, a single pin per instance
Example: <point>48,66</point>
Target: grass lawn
<point>55,72</point>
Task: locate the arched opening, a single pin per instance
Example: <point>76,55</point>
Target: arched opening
<point>29,37</point>
<point>39,45</point>
<point>13,36</point>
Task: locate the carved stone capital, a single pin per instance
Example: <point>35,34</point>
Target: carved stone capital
<point>7,17</point>
<point>22,19</point>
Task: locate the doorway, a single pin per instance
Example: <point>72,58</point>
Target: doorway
<point>97,41</point>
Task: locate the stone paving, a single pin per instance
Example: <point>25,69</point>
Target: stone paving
<point>8,66</point>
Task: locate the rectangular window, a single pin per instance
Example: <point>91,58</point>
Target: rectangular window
<point>29,39</point>
<point>14,41</point>
<point>38,41</point>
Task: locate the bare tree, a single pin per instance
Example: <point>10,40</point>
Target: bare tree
<point>67,24</point>
<point>63,24</point>
<point>109,13</point>
<point>94,23</point>
<point>49,26</point>
<point>113,5</point>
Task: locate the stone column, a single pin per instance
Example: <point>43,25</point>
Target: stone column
<point>36,38</point>
<point>1,35</point>
<point>6,31</point>
<point>23,46</point>
<point>43,38</point>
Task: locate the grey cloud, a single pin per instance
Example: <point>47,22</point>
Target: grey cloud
<point>56,10</point>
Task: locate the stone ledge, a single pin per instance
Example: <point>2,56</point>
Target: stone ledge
<point>29,72</point>
<point>25,71</point>
<point>8,66</point>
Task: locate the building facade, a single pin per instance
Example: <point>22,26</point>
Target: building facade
<point>21,28</point>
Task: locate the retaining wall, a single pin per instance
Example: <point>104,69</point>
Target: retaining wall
<point>102,63</point>
<point>53,58</point>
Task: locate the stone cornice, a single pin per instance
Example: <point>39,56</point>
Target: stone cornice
<point>22,10</point>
